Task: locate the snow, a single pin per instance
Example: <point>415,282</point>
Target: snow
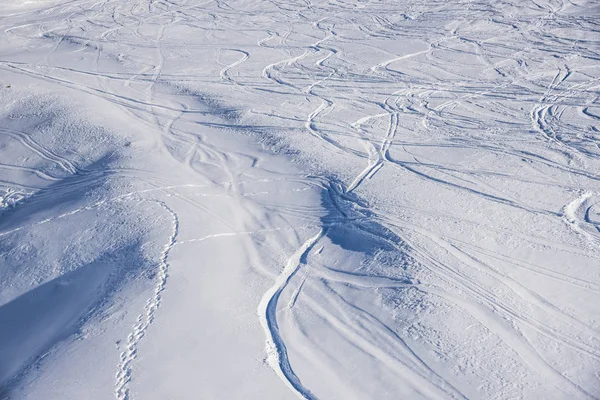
<point>367,199</point>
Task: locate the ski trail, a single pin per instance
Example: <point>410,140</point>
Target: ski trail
<point>43,152</point>
<point>246,233</point>
<point>385,64</point>
<point>277,356</point>
<point>35,171</point>
<point>224,74</point>
<point>123,375</point>
<point>324,108</point>
<point>125,196</point>
<point>574,216</point>
<point>381,153</point>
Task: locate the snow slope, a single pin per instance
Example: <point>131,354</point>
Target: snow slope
<point>295,199</point>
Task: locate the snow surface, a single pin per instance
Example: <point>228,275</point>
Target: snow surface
<point>269,199</point>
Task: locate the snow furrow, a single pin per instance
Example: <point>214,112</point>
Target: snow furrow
<point>277,356</point>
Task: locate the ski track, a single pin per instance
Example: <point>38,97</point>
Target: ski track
<point>46,154</point>
<point>277,356</point>
<point>225,71</point>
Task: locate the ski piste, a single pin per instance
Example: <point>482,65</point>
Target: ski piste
<point>366,199</point>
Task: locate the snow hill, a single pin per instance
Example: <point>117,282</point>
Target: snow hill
<point>278,199</point>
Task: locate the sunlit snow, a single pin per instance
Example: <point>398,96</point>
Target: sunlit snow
<point>279,199</point>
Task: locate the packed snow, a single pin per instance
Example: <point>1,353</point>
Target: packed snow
<point>278,199</point>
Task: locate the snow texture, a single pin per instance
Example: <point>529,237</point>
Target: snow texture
<point>268,199</point>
